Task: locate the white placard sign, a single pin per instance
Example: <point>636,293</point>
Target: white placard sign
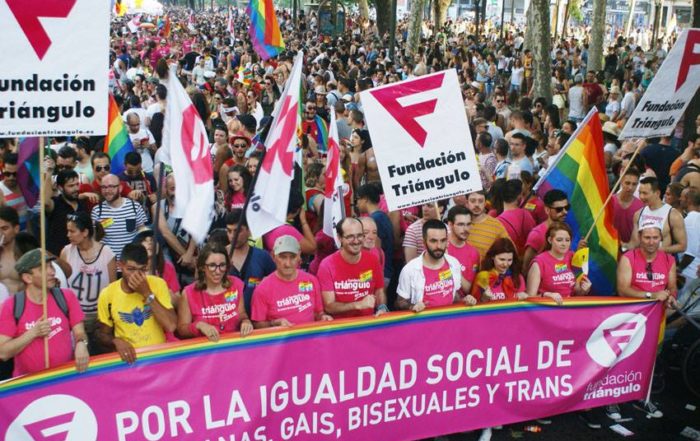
<point>53,81</point>
<point>670,92</point>
<point>421,140</point>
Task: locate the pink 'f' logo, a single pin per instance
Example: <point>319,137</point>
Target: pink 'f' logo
<point>27,13</point>
<point>389,97</point>
<point>194,146</point>
<point>616,338</point>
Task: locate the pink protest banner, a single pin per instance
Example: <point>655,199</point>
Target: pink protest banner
<point>398,377</point>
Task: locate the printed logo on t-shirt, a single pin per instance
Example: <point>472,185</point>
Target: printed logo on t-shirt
<point>306,287</point>
<point>445,275</point>
<point>106,223</point>
<point>366,276</point>
<point>297,301</point>
<point>137,316</point>
<point>530,206</point>
<point>231,296</point>
<point>55,323</point>
<point>254,281</point>
<point>560,267</point>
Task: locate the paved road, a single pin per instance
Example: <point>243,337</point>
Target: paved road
<point>569,427</point>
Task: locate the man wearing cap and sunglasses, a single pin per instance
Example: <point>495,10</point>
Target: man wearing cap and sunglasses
<point>22,327</point>
<point>289,296</point>
<point>557,207</point>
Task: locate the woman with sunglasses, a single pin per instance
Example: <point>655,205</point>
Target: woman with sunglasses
<point>213,304</point>
<point>269,95</point>
<point>551,272</point>
<point>92,263</point>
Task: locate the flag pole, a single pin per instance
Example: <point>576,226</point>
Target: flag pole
<point>156,221</point>
<point>42,242</point>
<point>612,191</point>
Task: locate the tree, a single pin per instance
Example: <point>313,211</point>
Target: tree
<point>383,9</point>
<point>595,52</point>
<point>529,42</point>
<point>364,9</point>
<point>440,12</point>
<point>573,10</point>
<point>415,21</point>
<point>541,40</point>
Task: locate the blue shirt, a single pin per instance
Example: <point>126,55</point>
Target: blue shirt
<point>258,265</point>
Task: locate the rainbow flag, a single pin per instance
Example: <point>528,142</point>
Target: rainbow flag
<point>28,172</point>
<point>119,8</point>
<point>264,29</point>
<point>579,171</point>
<point>117,143</point>
<point>321,135</point>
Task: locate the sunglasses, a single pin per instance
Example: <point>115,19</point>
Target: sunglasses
<point>99,168</point>
<point>8,174</point>
<point>560,209</point>
<point>650,272</point>
<point>499,101</point>
<point>64,167</point>
<point>240,146</point>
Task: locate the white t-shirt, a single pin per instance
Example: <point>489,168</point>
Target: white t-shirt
<point>692,228</point>
<point>576,102</point>
<point>611,108</point>
<point>516,78</point>
<point>136,139</point>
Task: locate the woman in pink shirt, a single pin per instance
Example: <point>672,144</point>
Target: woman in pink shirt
<point>213,304</point>
<point>551,274</point>
<point>500,278</point>
<point>238,182</point>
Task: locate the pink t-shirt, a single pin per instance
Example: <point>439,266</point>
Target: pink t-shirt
<point>170,276</point>
<point>642,272</point>
<point>297,300</point>
<point>536,208</point>
<point>518,224</point>
<point>439,286</point>
<point>537,237</point>
<point>468,258</point>
<point>219,310</point>
<point>624,217</point>
<point>31,358</point>
<point>283,230</point>
<point>555,275</point>
<point>351,281</point>
<point>237,201</point>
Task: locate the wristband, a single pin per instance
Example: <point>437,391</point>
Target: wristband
<point>382,308</point>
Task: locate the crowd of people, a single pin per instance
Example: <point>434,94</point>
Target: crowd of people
<point>117,286</point>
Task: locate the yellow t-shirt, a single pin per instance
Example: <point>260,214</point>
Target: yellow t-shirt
<point>128,314</point>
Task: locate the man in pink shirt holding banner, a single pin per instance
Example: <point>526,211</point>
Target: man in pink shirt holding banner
<point>289,296</point>
<point>352,280</point>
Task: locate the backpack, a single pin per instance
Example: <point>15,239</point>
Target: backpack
<point>21,300</point>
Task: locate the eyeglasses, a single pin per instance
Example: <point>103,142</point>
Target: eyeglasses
<point>109,187</point>
<point>99,168</point>
<point>64,167</point>
<point>354,237</point>
<point>560,209</point>
<point>8,174</point>
<point>650,272</point>
<point>216,266</point>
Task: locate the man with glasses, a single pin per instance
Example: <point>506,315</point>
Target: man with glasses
<point>136,310</point>
<point>501,107</point>
<point>557,207</point>
<point>67,160</point>
<point>647,272</point>
<point>121,218</point>
<point>240,143</point>
<point>10,188</point>
<point>352,279</point>
<point>101,167</point>
<point>434,278</point>
<point>289,296</point>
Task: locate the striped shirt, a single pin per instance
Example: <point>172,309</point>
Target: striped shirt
<point>414,236</point>
<point>16,201</point>
<point>120,224</point>
<point>484,233</point>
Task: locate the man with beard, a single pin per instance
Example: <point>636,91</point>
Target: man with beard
<point>69,201</point>
<point>352,280</point>
<point>10,188</point>
<point>434,278</point>
<point>459,221</point>
<point>120,217</point>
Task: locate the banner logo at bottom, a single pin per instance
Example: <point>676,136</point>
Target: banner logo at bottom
<point>616,338</point>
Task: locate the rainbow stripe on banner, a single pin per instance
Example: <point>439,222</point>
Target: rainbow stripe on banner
<point>28,172</point>
<point>264,29</point>
<point>117,143</point>
<point>199,347</point>
<point>579,171</point>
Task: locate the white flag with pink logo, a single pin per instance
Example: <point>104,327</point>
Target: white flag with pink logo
<point>267,208</point>
<point>185,142</point>
<point>333,203</point>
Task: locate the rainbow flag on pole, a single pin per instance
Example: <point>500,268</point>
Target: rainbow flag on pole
<point>579,171</point>
<point>264,29</point>
<point>117,143</point>
<point>28,170</point>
